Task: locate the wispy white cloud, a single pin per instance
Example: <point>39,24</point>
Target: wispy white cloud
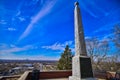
<point>94,11</point>
<point>107,38</point>
<point>87,37</point>
<point>3,46</point>
<point>3,22</point>
<point>106,27</point>
<point>12,48</point>
<point>11,29</point>
<point>24,57</point>
<point>18,13</point>
<point>104,38</point>
<point>102,29</point>
<point>7,51</point>
<point>58,46</point>
<point>21,18</point>
<point>86,8</point>
<point>45,10</point>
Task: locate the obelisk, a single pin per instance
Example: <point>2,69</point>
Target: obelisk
<point>81,63</point>
<point>80,47</point>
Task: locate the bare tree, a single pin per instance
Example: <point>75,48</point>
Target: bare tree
<point>92,44</point>
<point>98,51</point>
<point>110,63</point>
<point>116,37</point>
<point>113,62</point>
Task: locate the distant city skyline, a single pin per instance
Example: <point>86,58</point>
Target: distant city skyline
<point>40,29</point>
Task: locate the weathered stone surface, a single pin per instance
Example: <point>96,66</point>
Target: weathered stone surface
<point>76,66</point>
<point>80,48</point>
<point>76,78</point>
<point>82,68</point>
<point>81,64</point>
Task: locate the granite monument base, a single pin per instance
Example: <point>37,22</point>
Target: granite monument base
<point>81,68</point>
<point>76,78</point>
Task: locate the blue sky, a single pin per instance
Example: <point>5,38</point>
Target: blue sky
<point>40,29</point>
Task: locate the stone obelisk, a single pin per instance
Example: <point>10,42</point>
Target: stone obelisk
<point>81,63</point>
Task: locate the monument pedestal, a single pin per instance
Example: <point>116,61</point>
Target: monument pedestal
<point>81,68</point>
<point>76,78</point>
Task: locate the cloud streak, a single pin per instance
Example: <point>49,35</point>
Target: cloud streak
<point>11,29</point>
<point>91,9</point>
<point>44,11</point>
<point>12,49</point>
<point>21,18</point>
<point>106,27</point>
<point>3,22</point>
<point>24,57</point>
<point>58,46</point>
<point>87,9</point>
